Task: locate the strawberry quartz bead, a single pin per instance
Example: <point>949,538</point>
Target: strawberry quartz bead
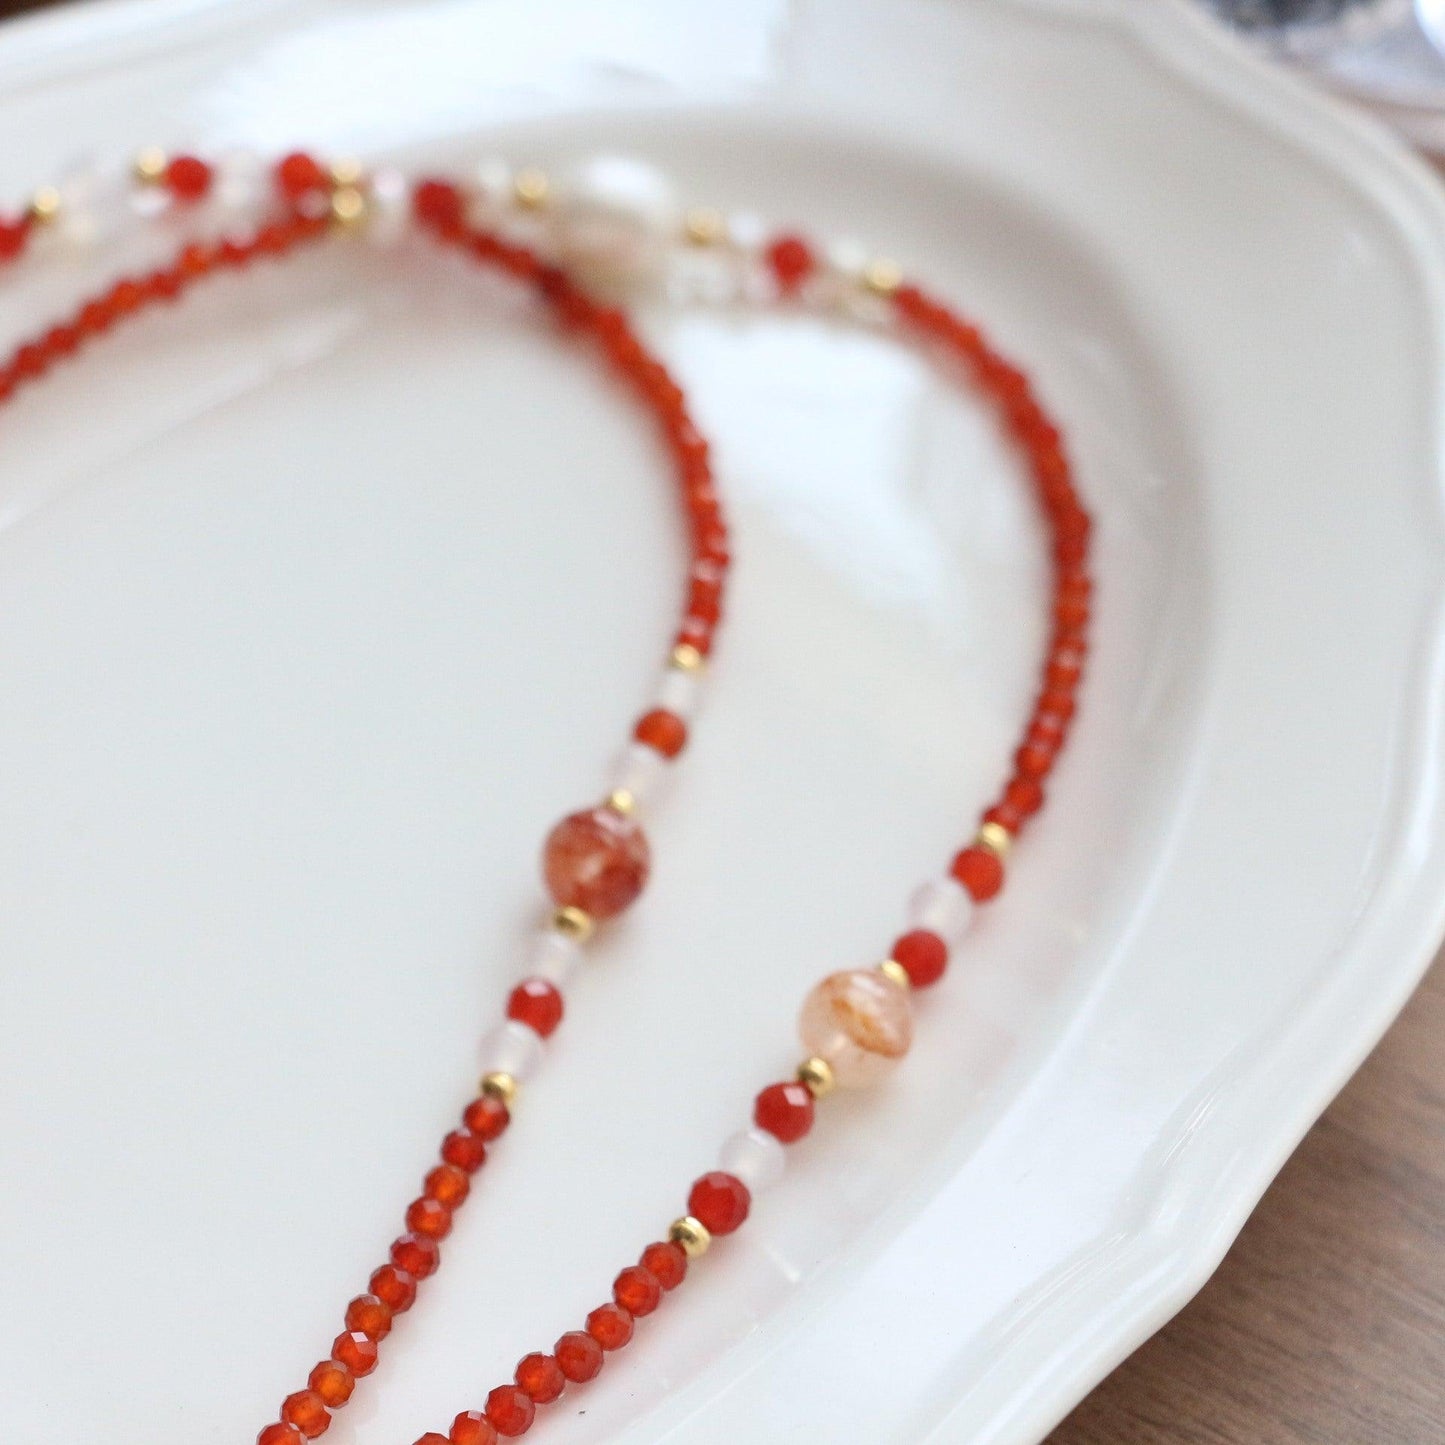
<point>307,1412</point>
<point>666,1262</point>
<point>541,1377</point>
<point>578,1356</point>
<point>785,1111</point>
<point>637,1291</point>
<point>536,1003</point>
<point>980,871</point>
<point>188,178</point>
<point>487,1117</point>
<point>610,1326</point>
<point>923,956</point>
<point>860,1022</point>
<point>720,1201</point>
<point>790,259</point>
<point>510,1410</point>
<point>281,1434</point>
<point>471,1428</point>
<point>356,1351</point>
<point>597,861</point>
<point>333,1382</point>
<point>662,731</point>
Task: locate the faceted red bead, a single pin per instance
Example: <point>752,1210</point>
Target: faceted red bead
<point>487,1117</point>
<point>662,731</point>
<point>923,956</point>
<point>510,1410</point>
<point>438,203</point>
<point>429,1217</point>
<point>448,1185</point>
<point>465,1150</point>
<point>637,1291</point>
<point>610,1326</point>
<point>1006,816</point>
<point>667,1263</point>
<point>578,1355</point>
<point>721,1201</point>
<point>541,1377</point>
<point>416,1254</point>
<point>473,1428</point>
<point>395,1287</point>
<point>980,871</point>
<point>369,1316</point>
<point>790,259</point>
<point>536,1003</point>
<point>281,1434</point>
<point>188,178</point>
<point>785,1111</point>
<point>13,235</point>
<point>300,175</point>
<point>597,861</point>
<point>1024,794</point>
<point>307,1412</point>
<point>1034,760</point>
<point>432,1438</point>
<point>333,1382</point>
<point>356,1351</point>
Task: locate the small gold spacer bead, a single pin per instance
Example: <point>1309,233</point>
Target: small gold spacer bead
<point>622,801</point>
<point>890,968</point>
<point>996,838</point>
<point>348,206</point>
<point>150,165</point>
<point>703,227</point>
<point>816,1075</point>
<point>882,277</point>
<point>574,922</point>
<point>500,1086</point>
<point>531,188</point>
<point>347,172</point>
<point>686,658</point>
<point>691,1234</point>
<point>45,205</point>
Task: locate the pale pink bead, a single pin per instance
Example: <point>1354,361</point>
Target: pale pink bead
<point>860,1022</point>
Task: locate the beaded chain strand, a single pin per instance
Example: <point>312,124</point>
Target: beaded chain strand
<point>616,218</point>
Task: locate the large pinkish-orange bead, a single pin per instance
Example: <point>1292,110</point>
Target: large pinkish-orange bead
<point>596,861</point>
<point>860,1022</point>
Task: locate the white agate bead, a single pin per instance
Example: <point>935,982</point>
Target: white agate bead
<point>639,771</point>
<point>678,692</point>
<point>555,957</point>
<point>388,208</point>
<point>512,1048</point>
<point>942,906</point>
<point>242,184</point>
<point>753,1156</point>
<point>617,214</point>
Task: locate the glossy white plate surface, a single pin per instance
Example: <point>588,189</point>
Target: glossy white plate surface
<point>322,596</point>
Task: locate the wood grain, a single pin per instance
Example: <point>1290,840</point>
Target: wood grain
<point>1326,1323</point>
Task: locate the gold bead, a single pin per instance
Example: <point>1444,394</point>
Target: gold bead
<point>150,165</point>
<point>622,801</point>
<point>531,189</point>
<point>691,1234</point>
<point>346,172</point>
<point>500,1086</point>
<point>45,204</point>
<point>348,206</point>
<point>686,658</point>
<point>703,227</point>
<point>890,968</point>
<point>574,922</point>
<point>882,277</point>
<point>996,838</point>
<point>816,1075</point>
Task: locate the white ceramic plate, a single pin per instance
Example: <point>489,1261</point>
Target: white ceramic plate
<point>322,596</point>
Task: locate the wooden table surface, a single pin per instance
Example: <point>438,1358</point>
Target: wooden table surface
<point>1325,1325</point>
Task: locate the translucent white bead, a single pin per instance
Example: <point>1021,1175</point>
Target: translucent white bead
<point>746,232</point>
<point>617,214</point>
<point>555,957</point>
<point>755,1157</point>
<point>639,771</point>
<point>491,191</point>
<point>846,259</point>
<point>389,208</point>
<point>943,906</point>
<point>242,183</point>
<point>512,1048</point>
<point>97,210</point>
<point>678,691</point>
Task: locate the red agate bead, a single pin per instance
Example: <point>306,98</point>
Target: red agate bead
<point>610,1326</point>
<point>637,1291</point>
<point>536,1003</point>
<point>980,871</point>
<point>188,178</point>
<point>333,1382</point>
<point>720,1201</point>
<point>578,1355</point>
<point>541,1377</point>
<point>662,731</point>
<point>666,1262</point>
<point>785,1111</point>
<point>510,1409</point>
<point>356,1351</point>
<point>280,1434</point>
<point>473,1428</point>
<point>923,956</point>
<point>790,259</point>
<point>307,1412</point>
